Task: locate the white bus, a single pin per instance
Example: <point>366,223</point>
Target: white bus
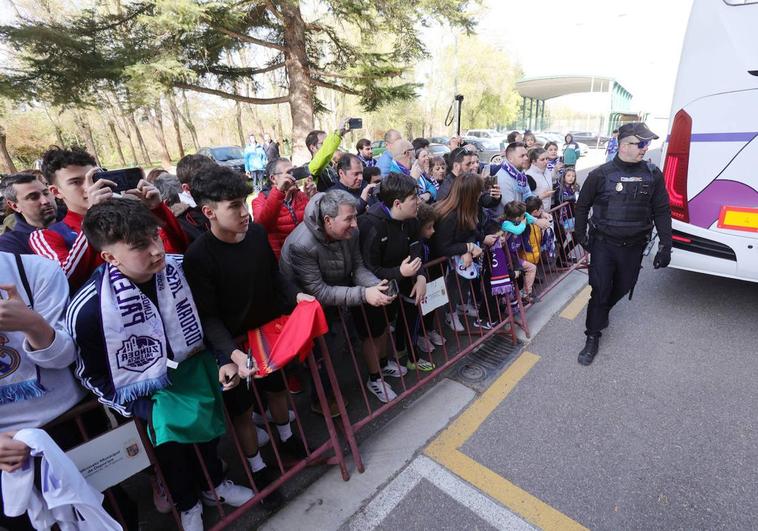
<point>711,153</point>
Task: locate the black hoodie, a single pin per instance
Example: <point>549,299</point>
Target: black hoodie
<point>385,243</point>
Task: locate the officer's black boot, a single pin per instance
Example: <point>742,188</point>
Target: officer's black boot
<point>590,349</point>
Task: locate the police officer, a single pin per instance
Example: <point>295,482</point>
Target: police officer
<point>627,195</point>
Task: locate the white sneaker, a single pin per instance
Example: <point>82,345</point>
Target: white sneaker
<point>381,390</point>
<point>192,520</point>
<point>436,338</point>
<point>228,493</point>
<point>454,322</point>
<point>394,370</point>
<point>424,345</point>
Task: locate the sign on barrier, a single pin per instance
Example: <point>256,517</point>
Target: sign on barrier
<point>436,296</point>
<point>111,458</point>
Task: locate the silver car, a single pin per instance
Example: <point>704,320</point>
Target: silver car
<point>489,150</point>
<point>229,156</point>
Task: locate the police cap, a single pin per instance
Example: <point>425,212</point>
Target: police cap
<point>638,129</point>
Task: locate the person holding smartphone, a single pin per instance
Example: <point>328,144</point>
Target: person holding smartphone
<point>72,177</point>
<point>280,206</point>
<point>387,231</point>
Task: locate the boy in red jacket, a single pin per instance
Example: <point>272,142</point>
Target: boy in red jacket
<point>70,173</point>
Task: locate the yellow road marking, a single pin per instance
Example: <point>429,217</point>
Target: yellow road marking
<point>575,307</point>
<point>444,449</point>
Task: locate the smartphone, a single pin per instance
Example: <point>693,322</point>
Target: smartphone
<point>392,289</point>
<point>125,179</point>
<point>301,172</point>
<point>355,123</point>
<point>490,181</point>
<point>560,159</point>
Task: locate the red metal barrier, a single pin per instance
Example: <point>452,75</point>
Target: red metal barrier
<point>467,298</point>
<point>568,255</point>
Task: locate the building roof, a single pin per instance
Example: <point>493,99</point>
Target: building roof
<point>544,88</point>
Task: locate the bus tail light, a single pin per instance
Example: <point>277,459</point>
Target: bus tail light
<point>676,165</point>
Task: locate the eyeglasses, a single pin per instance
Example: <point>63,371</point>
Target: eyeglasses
<point>642,144</point>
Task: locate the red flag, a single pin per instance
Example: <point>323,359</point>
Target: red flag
<point>278,342</point>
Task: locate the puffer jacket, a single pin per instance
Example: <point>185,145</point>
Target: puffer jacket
<point>278,218</point>
<point>331,271</point>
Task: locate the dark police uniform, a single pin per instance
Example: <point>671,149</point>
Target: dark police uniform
<point>626,199</point>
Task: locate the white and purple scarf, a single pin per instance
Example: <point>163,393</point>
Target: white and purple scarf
<point>501,278</point>
<point>137,338</point>
<point>522,183</point>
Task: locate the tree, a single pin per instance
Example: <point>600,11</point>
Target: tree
<point>183,44</point>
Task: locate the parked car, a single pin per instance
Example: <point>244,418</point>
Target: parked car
<point>439,139</point>
<point>438,150</point>
<point>230,156</point>
<point>487,133</point>
<point>378,147</point>
<point>489,150</point>
<point>591,139</point>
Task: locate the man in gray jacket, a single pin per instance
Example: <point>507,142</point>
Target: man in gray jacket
<point>322,258</point>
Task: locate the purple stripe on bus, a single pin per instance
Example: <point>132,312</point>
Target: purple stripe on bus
<point>705,207</point>
<point>721,137</point>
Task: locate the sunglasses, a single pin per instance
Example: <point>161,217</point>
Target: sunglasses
<point>642,144</point>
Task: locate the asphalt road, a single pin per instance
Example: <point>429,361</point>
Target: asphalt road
<point>660,432</point>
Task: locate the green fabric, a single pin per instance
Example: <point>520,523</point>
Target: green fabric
<point>191,409</point>
<point>324,155</point>
<point>570,156</point>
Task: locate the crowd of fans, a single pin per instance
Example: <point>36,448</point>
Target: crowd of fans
<point>108,294</point>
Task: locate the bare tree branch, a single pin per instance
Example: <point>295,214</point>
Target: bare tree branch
<point>231,95</point>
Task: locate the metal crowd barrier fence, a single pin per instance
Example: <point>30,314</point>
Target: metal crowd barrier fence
<point>336,369</point>
<point>569,256</point>
<point>480,317</point>
<point>317,453</point>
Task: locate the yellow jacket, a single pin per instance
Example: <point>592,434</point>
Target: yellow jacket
<point>535,240</point>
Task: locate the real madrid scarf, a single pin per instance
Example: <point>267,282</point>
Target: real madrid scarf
<point>137,338</point>
<point>19,376</point>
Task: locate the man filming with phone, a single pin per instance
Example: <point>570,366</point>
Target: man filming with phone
<point>73,177</point>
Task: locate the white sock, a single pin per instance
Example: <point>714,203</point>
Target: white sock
<point>256,462</point>
<point>285,431</point>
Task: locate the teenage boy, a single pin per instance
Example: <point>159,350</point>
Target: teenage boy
<point>33,206</point>
<point>142,352</point>
<point>70,174</point>
<point>236,282</point>
<point>386,233</point>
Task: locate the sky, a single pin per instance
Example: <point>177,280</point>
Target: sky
<point>636,42</point>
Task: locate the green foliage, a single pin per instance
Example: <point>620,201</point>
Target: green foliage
<point>149,45</point>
